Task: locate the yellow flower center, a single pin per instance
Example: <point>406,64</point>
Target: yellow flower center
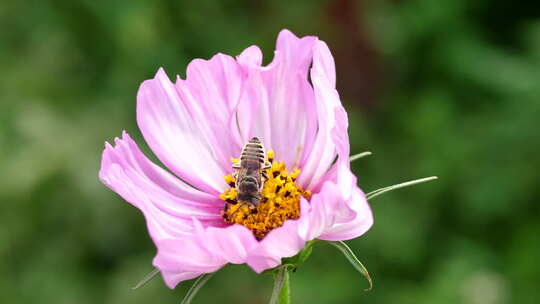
<point>280,200</point>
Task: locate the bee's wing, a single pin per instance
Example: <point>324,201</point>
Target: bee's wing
<point>240,174</point>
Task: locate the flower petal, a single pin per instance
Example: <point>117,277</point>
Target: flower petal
<point>278,101</point>
<point>297,52</point>
<point>180,135</point>
<point>172,278</point>
<point>205,251</point>
<point>356,201</point>
<point>323,63</point>
<point>328,208</point>
<point>232,243</point>
<point>184,258</point>
<point>331,140</point>
<point>323,152</point>
<point>281,242</point>
<point>211,92</point>
<point>167,203</point>
<point>252,56</point>
<point>357,226</point>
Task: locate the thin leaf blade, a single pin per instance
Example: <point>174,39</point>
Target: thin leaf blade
<point>359,155</point>
<point>351,257</point>
<point>147,278</point>
<point>197,285</point>
<point>380,191</point>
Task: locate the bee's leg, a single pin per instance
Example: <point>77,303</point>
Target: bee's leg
<point>264,175</point>
<point>235,175</point>
<point>236,165</point>
<point>267,165</point>
<point>256,199</point>
<point>252,209</point>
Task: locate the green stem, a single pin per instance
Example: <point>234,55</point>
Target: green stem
<point>281,294</point>
<point>285,294</point>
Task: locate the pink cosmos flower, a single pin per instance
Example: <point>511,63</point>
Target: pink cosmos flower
<point>195,126</point>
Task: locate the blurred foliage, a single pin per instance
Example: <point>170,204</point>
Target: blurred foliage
<point>449,88</point>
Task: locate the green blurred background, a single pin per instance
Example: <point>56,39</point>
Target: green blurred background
<point>448,88</point>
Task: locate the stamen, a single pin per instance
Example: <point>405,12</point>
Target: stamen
<point>280,201</point>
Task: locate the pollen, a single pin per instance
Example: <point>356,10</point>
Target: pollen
<point>280,201</point>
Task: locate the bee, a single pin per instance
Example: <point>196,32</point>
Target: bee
<point>251,173</point>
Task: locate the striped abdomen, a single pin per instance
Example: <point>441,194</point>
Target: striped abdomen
<point>253,153</point>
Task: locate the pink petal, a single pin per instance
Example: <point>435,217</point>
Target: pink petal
<point>331,139</point>
<point>296,52</point>
<point>323,63</point>
<point>167,203</point>
<point>278,102</point>
<point>356,201</point>
<point>185,258</point>
<point>180,133</point>
<point>323,152</point>
<point>252,56</point>
<point>281,242</point>
<point>328,208</point>
<point>232,243</point>
<point>205,251</point>
<point>253,116</point>
<point>357,226</point>
<point>172,278</point>
<point>211,92</point>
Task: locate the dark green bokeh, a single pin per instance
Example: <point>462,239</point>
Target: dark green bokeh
<point>445,88</point>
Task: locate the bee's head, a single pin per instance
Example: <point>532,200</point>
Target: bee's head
<point>248,184</point>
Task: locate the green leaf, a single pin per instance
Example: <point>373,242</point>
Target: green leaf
<point>304,254</point>
<point>147,278</point>
<point>281,292</point>
<point>378,192</point>
<point>349,254</point>
<point>199,283</point>
<point>358,156</point>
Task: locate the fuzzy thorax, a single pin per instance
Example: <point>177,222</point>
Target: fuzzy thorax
<point>280,202</point>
